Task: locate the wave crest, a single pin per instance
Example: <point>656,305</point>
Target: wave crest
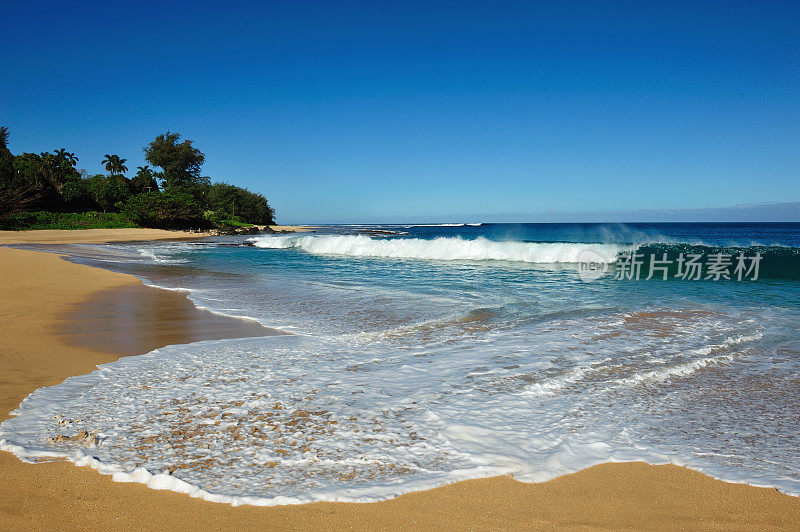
<point>441,248</point>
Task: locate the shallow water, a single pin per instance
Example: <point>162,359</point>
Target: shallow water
<point>430,354</point>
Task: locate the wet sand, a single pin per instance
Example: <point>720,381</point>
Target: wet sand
<point>48,307</point>
<point>135,319</point>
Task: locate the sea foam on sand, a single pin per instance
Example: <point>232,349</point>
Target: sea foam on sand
<point>294,419</point>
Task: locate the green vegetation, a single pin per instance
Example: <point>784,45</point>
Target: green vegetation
<point>238,204</point>
<point>170,209</point>
<point>180,162</point>
<point>64,220</point>
<point>46,191</point>
<point>115,165</point>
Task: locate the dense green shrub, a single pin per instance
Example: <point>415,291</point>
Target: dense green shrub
<point>78,196</point>
<point>64,220</point>
<point>166,210</point>
<point>239,203</point>
<point>107,191</point>
<point>224,220</point>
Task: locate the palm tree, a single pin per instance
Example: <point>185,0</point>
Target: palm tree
<point>6,159</point>
<point>144,181</point>
<point>109,162</point>
<point>64,154</point>
<point>114,164</point>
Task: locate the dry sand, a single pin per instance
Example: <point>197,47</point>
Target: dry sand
<point>94,236</point>
<point>292,228</point>
<point>39,294</point>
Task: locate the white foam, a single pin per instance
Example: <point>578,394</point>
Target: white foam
<point>437,225</point>
<point>374,422</point>
<point>441,248</point>
<point>678,370</point>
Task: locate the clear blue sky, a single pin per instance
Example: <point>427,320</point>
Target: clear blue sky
<point>373,111</point>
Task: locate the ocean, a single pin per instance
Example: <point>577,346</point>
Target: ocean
<point>431,353</point>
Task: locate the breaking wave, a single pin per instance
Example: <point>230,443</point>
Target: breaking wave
<point>780,262</point>
<point>441,248</point>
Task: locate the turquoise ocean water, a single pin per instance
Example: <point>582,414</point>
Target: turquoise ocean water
<point>426,354</point>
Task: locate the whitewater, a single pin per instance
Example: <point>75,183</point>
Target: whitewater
<point>452,353</point>
<point>441,248</point>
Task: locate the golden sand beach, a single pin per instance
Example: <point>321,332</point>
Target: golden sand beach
<point>45,337</point>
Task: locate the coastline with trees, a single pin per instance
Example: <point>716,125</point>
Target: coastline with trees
<point>48,191</point>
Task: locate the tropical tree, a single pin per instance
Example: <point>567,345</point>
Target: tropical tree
<point>6,158</point>
<point>107,190</point>
<point>16,194</point>
<point>78,196</point>
<point>144,180</point>
<point>67,156</point>
<point>239,202</point>
<point>50,181</point>
<point>34,183</point>
<point>108,161</point>
<point>181,162</point>
<point>114,165</point>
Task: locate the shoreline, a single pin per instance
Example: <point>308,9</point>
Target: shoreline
<point>44,295</point>
<point>104,236</point>
<point>132,320</point>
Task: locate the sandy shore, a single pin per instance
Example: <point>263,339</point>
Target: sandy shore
<point>292,228</point>
<point>43,340</point>
<point>93,236</point>
<point>96,236</point>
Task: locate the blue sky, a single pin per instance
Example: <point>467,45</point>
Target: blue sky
<point>394,112</point>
